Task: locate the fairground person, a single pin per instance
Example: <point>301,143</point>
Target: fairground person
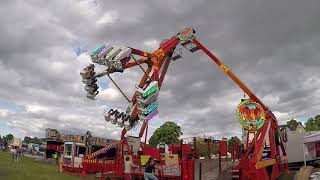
<point>149,171</point>
<point>60,163</point>
<point>13,152</point>
<point>18,154</point>
<point>55,157</point>
<point>127,168</point>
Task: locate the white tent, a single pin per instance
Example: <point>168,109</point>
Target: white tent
<point>309,146</point>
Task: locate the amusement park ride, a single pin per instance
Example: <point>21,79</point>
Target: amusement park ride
<point>143,106</point>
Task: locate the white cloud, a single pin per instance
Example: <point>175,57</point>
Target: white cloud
<point>87,7</point>
<point>32,108</point>
<point>4,113</point>
<point>282,117</point>
<point>109,94</point>
<point>198,84</point>
<point>151,44</point>
<point>108,18</point>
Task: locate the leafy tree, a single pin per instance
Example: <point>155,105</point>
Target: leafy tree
<point>231,140</point>
<point>312,125</point>
<point>34,140</point>
<point>293,123</point>
<point>27,139</point>
<point>317,121</point>
<point>9,137</point>
<point>202,147</point>
<point>168,133</point>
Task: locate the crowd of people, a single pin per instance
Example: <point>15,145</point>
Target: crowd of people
<point>16,153</point>
<point>4,145</point>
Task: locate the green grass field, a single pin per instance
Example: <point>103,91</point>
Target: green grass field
<point>28,169</point>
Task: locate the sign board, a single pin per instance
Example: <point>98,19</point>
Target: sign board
<point>171,159</point>
<point>134,143</point>
<point>251,115</point>
<point>144,159</point>
<point>51,133</point>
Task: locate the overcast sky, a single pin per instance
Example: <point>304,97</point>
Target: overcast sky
<point>273,46</point>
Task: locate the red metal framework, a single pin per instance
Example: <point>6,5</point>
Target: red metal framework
<point>251,165</point>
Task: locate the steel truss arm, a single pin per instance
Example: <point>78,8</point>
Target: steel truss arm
<point>135,63</point>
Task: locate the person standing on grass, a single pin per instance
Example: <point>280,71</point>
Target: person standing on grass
<point>60,163</point>
<point>127,168</point>
<point>55,157</point>
<point>149,171</point>
<point>13,152</point>
<point>19,153</point>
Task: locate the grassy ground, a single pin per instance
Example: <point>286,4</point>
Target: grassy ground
<point>27,169</point>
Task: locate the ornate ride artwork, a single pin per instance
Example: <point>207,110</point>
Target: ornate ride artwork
<point>251,115</point>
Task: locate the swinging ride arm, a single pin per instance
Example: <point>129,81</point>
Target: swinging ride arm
<point>157,59</point>
<point>270,129</point>
<point>158,63</point>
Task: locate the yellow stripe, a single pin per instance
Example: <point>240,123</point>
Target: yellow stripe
<point>224,68</point>
<point>264,163</point>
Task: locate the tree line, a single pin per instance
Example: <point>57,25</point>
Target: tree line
<point>34,140</point>
<point>6,138</point>
<point>312,124</point>
<point>170,133</point>
<point>26,139</point>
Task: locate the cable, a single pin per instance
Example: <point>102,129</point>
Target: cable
<point>119,88</point>
<point>140,66</point>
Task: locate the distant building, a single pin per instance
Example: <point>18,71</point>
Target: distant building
<point>16,142</point>
<point>300,129</point>
<point>96,141</point>
<point>292,130</point>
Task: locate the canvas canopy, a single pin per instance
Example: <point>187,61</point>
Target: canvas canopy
<point>311,138</point>
<point>309,146</point>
